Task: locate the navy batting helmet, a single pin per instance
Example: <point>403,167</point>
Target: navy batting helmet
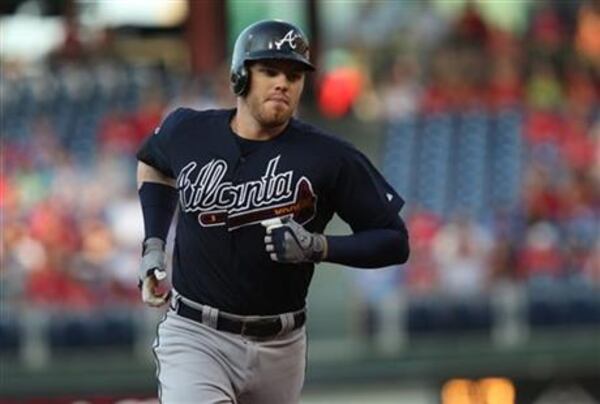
<point>270,39</point>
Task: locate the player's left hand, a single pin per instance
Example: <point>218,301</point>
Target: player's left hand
<point>153,272</point>
<point>287,241</point>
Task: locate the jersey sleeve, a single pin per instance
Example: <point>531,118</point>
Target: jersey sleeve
<point>362,196</point>
<point>157,148</point>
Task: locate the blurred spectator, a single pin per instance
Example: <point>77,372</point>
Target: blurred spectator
<point>421,275</point>
<point>401,95</point>
<point>470,28</point>
<point>209,92</point>
<point>543,88</point>
<point>428,28</point>
<point>502,261</point>
<point>462,251</point>
<point>119,133</point>
<point>540,257</point>
<point>577,146</point>
<point>505,85</point>
<point>339,90</point>
<point>147,115</point>
<point>580,89</point>
<point>13,261</point>
<point>54,287</point>
<point>443,73</point>
<point>542,127</point>
<point>194,94</point>
<point>72,46</point>
<point>591,267</point>
<point>122,131</point>
<point>587,38</point>
<point>372,289</point>
<point>547,30</point>
<point>580,214</point>
<point>541,198</point>
<point>594,134</point>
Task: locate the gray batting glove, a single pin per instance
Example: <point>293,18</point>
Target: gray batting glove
<point>152,272</point>
<point>287,241</point>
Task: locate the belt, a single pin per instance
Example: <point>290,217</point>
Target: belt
<point>262,327</point>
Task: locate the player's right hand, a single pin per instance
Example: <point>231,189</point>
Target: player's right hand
<point>153,273</point>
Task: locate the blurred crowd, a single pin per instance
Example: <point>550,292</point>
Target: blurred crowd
<point>71,226</point>
<point>546,241</point>
<point>551,74</point>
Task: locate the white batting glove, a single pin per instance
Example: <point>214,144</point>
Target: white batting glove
<point>153,272</point>
<point>287,241</point>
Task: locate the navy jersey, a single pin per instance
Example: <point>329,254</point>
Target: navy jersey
<point>227,187</point>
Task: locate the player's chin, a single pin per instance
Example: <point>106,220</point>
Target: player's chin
<point>276,116</point>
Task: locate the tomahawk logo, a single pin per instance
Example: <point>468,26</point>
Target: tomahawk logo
<point>290,38</point>
<point>222,203</point>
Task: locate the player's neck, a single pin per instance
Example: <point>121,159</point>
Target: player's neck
<point>246,126</point>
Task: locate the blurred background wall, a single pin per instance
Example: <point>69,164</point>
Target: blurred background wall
<point>484,115</point>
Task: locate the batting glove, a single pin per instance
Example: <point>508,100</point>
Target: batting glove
<point>287,241</point>
<point>152,272</point>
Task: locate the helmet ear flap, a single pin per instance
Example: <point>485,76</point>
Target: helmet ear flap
<point>239,80</point>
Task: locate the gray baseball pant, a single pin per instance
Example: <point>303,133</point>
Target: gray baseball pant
<point>199,364</point>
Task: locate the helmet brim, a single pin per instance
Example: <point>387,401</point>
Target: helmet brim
<point>270,55</point>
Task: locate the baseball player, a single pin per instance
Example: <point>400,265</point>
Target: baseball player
<point>255,189</point>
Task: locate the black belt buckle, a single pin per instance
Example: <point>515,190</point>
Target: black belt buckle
<point>262,327</point>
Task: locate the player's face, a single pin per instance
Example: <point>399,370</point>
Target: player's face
<point>275,90</point>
